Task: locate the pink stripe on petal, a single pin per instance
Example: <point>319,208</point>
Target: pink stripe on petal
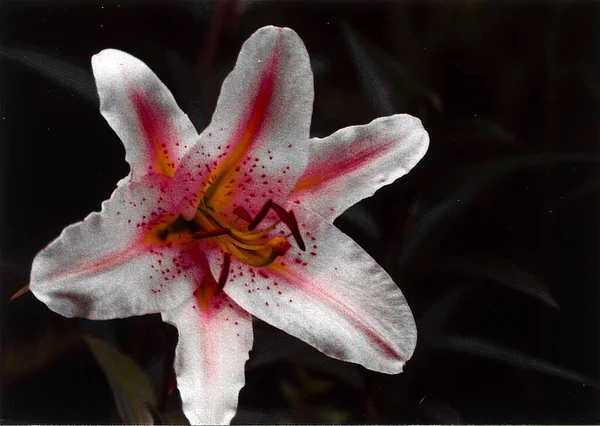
<point>157,131</point>
<point>211,352</point>
<point>141,110</point>
<point>103,266</point>
<point>106,263</point>
<point>354,162</point>
<point>334,297</point>
<point>322,170</point>
<point>255,146</point>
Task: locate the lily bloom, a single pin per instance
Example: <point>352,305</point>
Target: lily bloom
<point>211,229</point>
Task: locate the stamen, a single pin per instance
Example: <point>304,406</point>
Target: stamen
<point>279,245</point>
<point>211,233</point>
<point>296,229</point>
<point>290,220</point>
<point>251,257</point>
<point>261,215</point>
<point>254,236</point>
<point>242,214</point>
<point>224,274</point>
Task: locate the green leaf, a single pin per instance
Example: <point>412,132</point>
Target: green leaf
<point>358,218</point>
<point>489,350</point>
<point>373,63</point>
<point>373,83</point>
<point>438,220</point>
<point>175,417</point>
<point>132,391</point>
<point>439,313</point>
<point>277,346</point>
<point>501,271</point>
<point>477,129</point>
<point>314,385</point>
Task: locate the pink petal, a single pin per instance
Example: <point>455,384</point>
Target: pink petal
<point>333,296</point>
<point>209,360</point>
<point>354,162</point>
<point>142,111</point>
<point>255,148</point>
<point>104,267</point>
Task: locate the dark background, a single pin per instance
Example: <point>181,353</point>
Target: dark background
<point>493,237</point>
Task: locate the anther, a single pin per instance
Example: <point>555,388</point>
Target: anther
<point>224,274</point>
<point>242,213</point>
<point>211,233</point>
<point>290,220</point>
<point>296,231</point>
<point>279,245</point>
<point>261,215</point>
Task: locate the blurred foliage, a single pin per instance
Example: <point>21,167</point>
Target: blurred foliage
<point>493,237</point>
<point>133,393</point>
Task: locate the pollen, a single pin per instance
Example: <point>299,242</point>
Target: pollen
<point>279,245</point>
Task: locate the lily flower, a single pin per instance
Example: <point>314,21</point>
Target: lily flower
<point>209,230</point>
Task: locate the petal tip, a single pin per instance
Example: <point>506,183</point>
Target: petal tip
<point>276,32</point>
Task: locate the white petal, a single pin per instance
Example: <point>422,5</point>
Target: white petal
<point>258,137</point>
<point>209,360</point>
<point>334,297</point>
<point>354,162</point>
<point>102,268</point>
<point>143,112</point>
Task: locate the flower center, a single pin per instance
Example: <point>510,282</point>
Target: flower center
<point>246,242</point>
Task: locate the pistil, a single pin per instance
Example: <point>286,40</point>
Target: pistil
<point>224,274</point>
<point>211,233</point>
